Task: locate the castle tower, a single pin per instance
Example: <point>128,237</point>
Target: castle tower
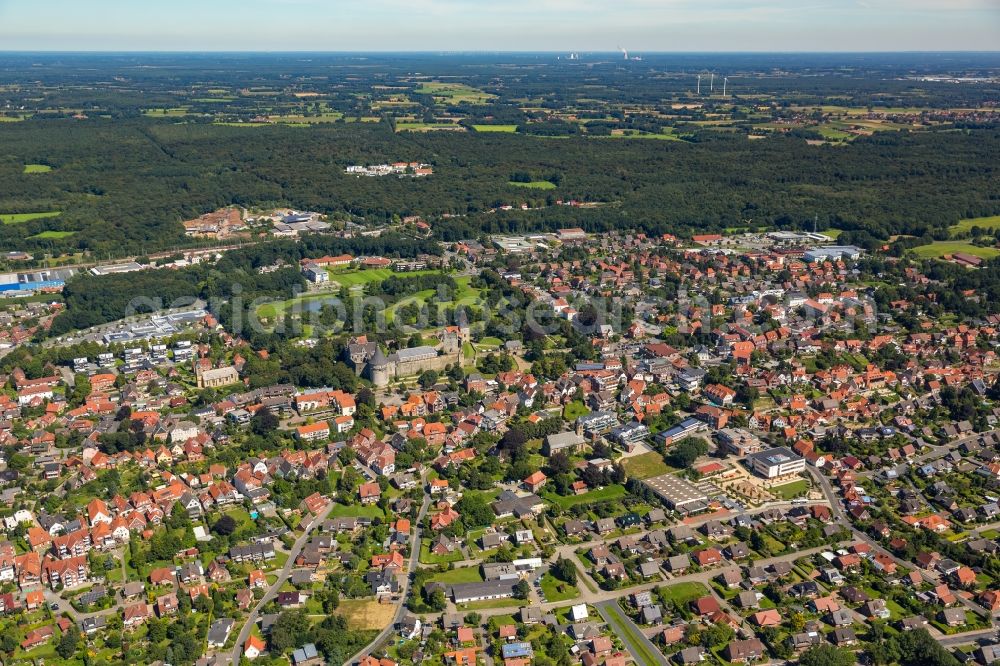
<point>379,368</point>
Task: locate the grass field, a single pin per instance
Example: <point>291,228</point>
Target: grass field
<point>368,275</point>
<point>607,493</point>
<point>574,410</point>
<point>790,490</point>
<point>991,222</point>
<point>364,615</point>
<point>460,575</point>
<point>37,168</point>
<point>428,127</point>
<point>17,218</point>
<point>645,465</point>
<point>491,603</point>
<point>491,342</point>
<point>556,590</point>
<point>453,93</point>
<point>941,248</point>
<point>495,128</point>
<point>535,185</point>
<point>623,628</point>
<point>53,235</point>
<point>683,593</point>
<point>342,510</point>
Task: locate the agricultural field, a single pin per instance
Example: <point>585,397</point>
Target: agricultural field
<point>508,129</point>
<point>535,185</point>
<point>366,614</point>
<point>965,226</point>
<point>428,127</point>
<point>938,249</point>
<point>453,93</point>
<point>53,235</point>
<point>37,168</point>
<point>17,218</point>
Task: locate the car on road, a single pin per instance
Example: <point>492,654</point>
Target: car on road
<point>54,605</point>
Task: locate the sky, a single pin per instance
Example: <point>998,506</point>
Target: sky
<point>500,25</point>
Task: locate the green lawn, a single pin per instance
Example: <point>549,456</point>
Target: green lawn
<point>37,168</point>
<point>16,218</point>
<point>491,342</point>
<point>607,493</point>
<point>460,575</point>
<point>941,248</point>
<point>427,557</point>
<point>535,185</point>
<point>991,222</point>
<point>683,593</point>
<point>790,490</point>
<point>557,590</point>
<point>368,275</point>
<point>370,511</point>
<point>645,465</point>
<point>491,603</point>
<point>495,128</point>
<point>622,627</point>
<point>574,410</point>
<point>50,234</point>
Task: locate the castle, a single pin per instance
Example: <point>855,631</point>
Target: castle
<point>370,362</point>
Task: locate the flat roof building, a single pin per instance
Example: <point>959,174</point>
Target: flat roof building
<point>779,461</point>
<point>678,494</point>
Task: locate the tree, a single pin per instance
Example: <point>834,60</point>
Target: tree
<point>826,655</point>
<point>686,452</point>
<point>264,422</point>
<point>522,589</point>
<point>225,525</point>
<point>69,642</point>
<point>427,379</point>
<point>475,510</point>
<point>564,570</point>
<point>291,629</point>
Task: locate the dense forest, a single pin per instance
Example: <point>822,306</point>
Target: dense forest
<point>126,185</point>
<point>124,147</point>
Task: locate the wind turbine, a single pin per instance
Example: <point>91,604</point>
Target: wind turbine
<point>725,80</point>
<point>711,84</point>
<point>699,84</point>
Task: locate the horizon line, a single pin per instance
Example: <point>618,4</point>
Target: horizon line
<point>485,52</point>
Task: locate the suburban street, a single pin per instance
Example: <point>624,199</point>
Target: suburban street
<point>283,575</point>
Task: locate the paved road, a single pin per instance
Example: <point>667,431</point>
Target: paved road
<point>633,638</point>
<point>930,576</point>
<point>283,575</point>
<point>401,610</point>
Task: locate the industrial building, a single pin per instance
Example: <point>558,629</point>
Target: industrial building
<point>678,494</point>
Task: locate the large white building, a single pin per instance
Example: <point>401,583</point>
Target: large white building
<point>779,461</point>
